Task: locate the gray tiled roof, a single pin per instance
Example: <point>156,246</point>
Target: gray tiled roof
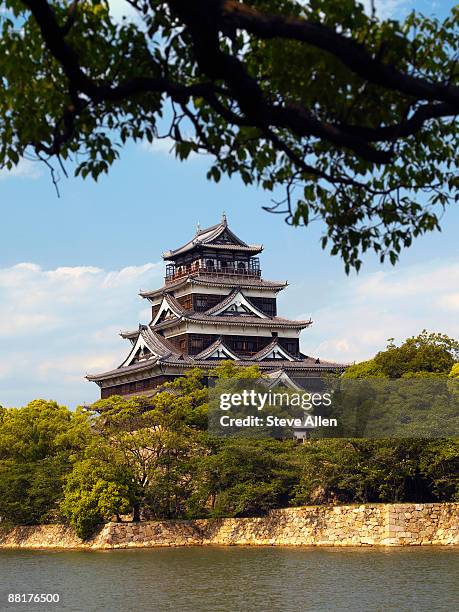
<point>158,344</point>
<point>206,317</point>
<point>219,343</point>
<point>273,345</point>
<point>227,301</point>
<point>308,364</point>
<point>206,237</point>
<point>225,282</point>
<point>245,320</point>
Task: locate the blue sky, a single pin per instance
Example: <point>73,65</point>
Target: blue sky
<point>70,268</point>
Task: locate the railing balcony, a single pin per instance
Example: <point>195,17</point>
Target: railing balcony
<point>252,270</point>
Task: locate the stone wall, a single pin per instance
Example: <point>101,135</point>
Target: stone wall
<point>363,525</point>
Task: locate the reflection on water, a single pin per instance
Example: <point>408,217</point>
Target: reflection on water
<point>237,578</point>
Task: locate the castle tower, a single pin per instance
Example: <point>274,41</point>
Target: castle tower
<point>214,305</point>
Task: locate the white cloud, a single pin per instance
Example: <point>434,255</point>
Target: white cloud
<point>354,320</point>
<point>25,169</point>
<point>57,325</point>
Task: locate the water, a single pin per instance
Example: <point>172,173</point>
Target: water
<point>235,578</point>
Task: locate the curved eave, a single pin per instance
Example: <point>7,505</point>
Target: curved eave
<point>244,284</point>
<point>130,335</point>
<point>135,367</point>
<point>206,238</point>
<point>236,322</point>
<point>254,249</point>
<point>259,284</point>
<point>274,365</point>
<point>226,302</point>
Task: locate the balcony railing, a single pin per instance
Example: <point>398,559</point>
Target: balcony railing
<point>174,273</point>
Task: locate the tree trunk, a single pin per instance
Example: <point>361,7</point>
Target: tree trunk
<point>136,512</point>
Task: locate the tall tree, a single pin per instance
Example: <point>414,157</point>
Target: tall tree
<point>428,352</point>
<point>353,117</point>
<point>38,444</point>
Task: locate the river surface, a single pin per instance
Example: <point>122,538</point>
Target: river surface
<point>230,579</point>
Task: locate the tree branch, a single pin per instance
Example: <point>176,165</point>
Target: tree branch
<point>203,18</point>
<point>350,53</point>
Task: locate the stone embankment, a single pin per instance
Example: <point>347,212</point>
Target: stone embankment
<point>356,525</point>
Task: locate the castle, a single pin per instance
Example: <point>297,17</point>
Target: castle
<point>214,305</point>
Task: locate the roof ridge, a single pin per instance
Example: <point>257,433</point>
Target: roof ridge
<point>223,302</point>
<point>243,319</point>
<point>161,342</point>
<point>209,234</point>
<point>217,343</point>
<point>174,303</point>
<point>227,300</point>
<point>275,343</point>
<point>309,365</point>
<point>194,277</point>
<point>209,229</point>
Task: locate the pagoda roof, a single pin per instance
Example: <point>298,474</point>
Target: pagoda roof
<point>209,237</point>
<point>250,320</point>
<point>235,296</point>
<point>280,377</point>
<point>274,346</point>
<point>225,282</point>
<point>254,319</point>
<point>246,320</point>
<point>157,343</point>
<point>304,365</point>
<point>220,346</point>
<point>169,304</point>
<point>157,346</point>
<point>216,347</point>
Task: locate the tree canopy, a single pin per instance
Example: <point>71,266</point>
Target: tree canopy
<point>38,444</point>
<point>344,117</point>
<point>427,353</point>
<point>153,457</point>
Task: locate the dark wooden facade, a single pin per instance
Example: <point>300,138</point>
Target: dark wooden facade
<point>193,344</point>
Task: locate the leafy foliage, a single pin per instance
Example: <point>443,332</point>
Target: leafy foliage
<point>364,369</point>
<point>378,471</point>
<point>37,446</point>
<point>243,477</point>
<point>351,117</point>
<point>430,353</point>
<point>94,492</point>
<point>153,457</point>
